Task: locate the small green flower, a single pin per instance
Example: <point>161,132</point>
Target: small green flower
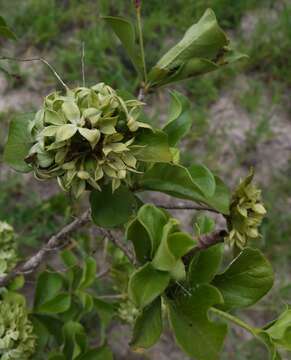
<point>8,248</point>
<point>246,213</point>
<point>84,138</point>
<point>127,311</point>
<point>17,340</point>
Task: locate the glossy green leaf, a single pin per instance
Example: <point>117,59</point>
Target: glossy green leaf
<point>89,273</point>
<point>48,286</point>
<point>205,265</point>
<point>280,330</point>
<point>148,326</point>
<point>75,340</point>
<point>58,304</point>
<point>202,49</point>
<point>247,279</point>
<point>173,246</point>
<point>137,234</point>
<point>153,220</point>
<point>112,209</point>
<point>152,146</point>
<point>125,31</point>
<point>18,143</point>
<point>220,201</point>
<point>199,337</point>
<point>180,118</point>
<point>177,181</point>
<point>146,284</point>
<point>203,178</point>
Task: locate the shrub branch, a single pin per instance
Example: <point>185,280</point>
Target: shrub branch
<point>61,239</point>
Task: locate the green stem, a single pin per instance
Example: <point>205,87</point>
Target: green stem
<point>235,320</point>
<point>141,44</point>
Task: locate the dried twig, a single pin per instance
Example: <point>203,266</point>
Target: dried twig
<point>55,243</point>
<point>186,207</point>
<point>59,241</point>
<point>9,58</point>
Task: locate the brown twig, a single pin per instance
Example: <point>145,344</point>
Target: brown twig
<point>186,207</point>
<point>9,58</point>
<point>56,242</point>
<point>120,244</point>
<point>208,240</point>
<point>59,241</point>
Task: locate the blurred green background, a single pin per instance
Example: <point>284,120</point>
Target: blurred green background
<point>241,114</point>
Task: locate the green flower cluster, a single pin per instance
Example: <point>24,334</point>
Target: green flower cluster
<point>84,138</point>
<point>17,340</point>
<point>246,213</point>
<point>127,312</point>
<point>8,249</point>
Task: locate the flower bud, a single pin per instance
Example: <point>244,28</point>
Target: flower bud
<point>84,138</point>
<point>17,340</point>
<point>246,213</point>
<point>8,248</point>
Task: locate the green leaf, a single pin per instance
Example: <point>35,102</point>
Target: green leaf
<point>47,287</point>
<point>125,31</point>
<point>137,234</point>
<point>153,220</point>
<point>103,353</point>
<point>75,340</point>
<point>173,246</point>
<point>180,118</point>
<point>199,337</point>
<point>152,146</point>
<point>202,49</point>
<point>204,265</point>
<point>59,304</point>
<point>146,284</point>
<point>18,143</point>
<point>280,330</point>
<point>247,279</point>
<point>52,324</point>
<point>89,273</point>
<point>148,326</point>
<point>112,209</point>
<point>203,178</point>
<point>17,283</point>
<point>204,224</point>
<point>69,258</point>
<point>220,201</point>
<point>56,356</point>
<point>176,180</point>
<point>5,31</point>
<point>105,313</point>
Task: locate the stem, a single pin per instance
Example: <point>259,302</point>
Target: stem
<point>83,64</point>
<point>43,61</point>
<point>235,320</point>
<point>141,44</point>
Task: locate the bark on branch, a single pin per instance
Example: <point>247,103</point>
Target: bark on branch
<point>61,239</point>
